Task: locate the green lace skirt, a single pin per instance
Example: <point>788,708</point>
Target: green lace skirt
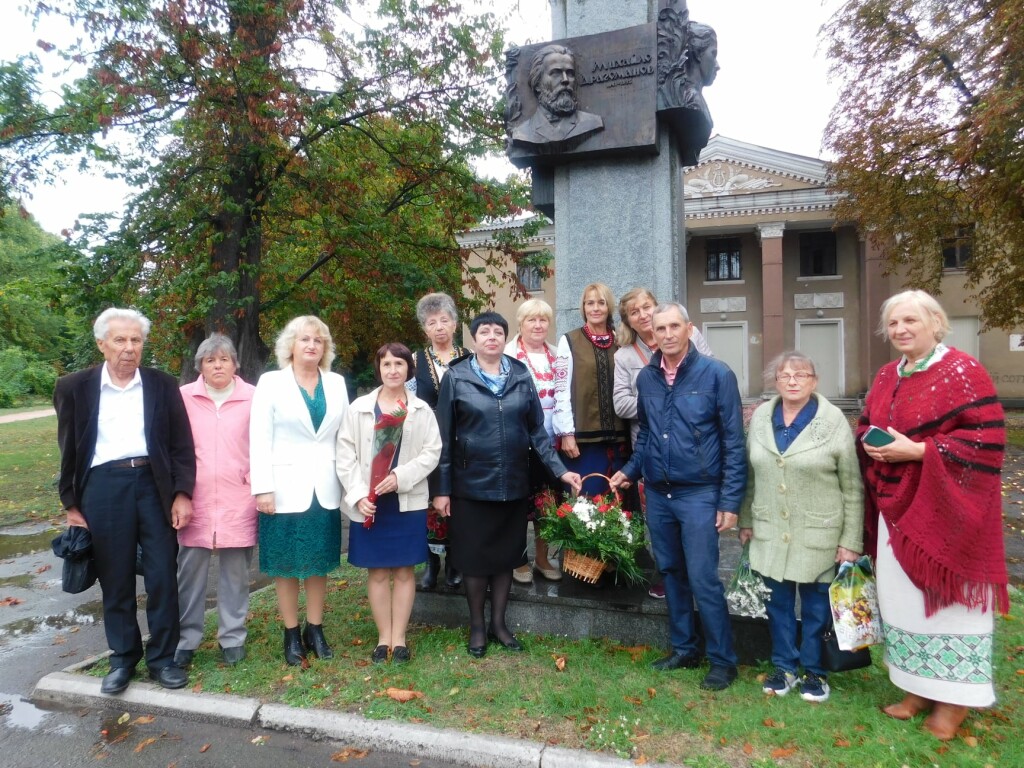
<point>302,544</point>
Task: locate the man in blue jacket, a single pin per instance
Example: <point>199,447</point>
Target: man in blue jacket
<point>691,454</point>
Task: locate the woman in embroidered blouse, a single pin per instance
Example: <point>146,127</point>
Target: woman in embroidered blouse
<point>531,347</point>
<point>803,512</point>
<point>296,413</point>
<point>933,514</point>
<point>591,437</point>
<point>439,319</point>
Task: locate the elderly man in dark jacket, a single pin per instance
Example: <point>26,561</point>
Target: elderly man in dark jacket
<point>127,472</point>
<point>691,454</point>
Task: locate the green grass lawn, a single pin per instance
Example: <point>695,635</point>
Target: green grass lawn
<point>607,698</point>
<point>29,461</point>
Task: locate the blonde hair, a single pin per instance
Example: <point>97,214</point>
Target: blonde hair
<point>605,293</point>
<point>625,335</point>
<point>534,308</point>
<point>925,303</point>
<point>286,340</point>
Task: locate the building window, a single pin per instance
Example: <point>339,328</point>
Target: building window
<point>724,259</point>
<point>957,250</point>
<point>817,254</point>
<point>530,276</point>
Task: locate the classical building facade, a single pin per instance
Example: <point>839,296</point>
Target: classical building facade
<point>768,268</point>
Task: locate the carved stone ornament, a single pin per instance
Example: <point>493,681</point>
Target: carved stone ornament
<point>720,178</point>
<point>818,300</point>
<point>725,304</point>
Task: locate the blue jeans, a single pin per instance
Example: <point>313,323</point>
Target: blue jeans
<point>815,616</point>
<point>685,544</point>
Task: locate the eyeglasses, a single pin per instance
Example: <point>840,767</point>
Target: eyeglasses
<point>801,377</point>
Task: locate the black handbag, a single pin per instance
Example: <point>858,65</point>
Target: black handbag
<point>837,660</point>
<point>74,546</point>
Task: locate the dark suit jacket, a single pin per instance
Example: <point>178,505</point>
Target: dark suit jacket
<point>172,453</point>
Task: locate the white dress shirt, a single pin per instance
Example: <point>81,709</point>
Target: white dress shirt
<point>121,423</point>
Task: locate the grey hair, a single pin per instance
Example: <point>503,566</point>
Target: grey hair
<point>925,302</point>
<point>101,327</point>
<point>537,65</point>
<point>790,356</point>
<point>433,303</point>
<point>215,342</point>
<point>663,308</point>
<point>286,340</point>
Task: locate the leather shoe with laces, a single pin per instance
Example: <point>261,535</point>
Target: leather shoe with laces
<point>171,676</point>
<point>116,680</point>
<point>718,678</point>
<point>677,660</point>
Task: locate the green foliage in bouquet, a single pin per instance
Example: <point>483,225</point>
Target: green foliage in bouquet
<point>597,527</point>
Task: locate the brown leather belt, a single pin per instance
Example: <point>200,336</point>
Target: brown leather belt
<point>133,463</point>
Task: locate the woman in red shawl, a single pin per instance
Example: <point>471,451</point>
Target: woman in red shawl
<point>933,515</point>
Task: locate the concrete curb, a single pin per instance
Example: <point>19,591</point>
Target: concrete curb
<point>70,688</point>
<point>81,690</point>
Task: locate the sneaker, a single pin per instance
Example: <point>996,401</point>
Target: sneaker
<point>780,682</point>
<point>814,688</point>
<point>657,591</point>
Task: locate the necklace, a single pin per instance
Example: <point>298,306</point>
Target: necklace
<point>904,373</point>
<point>599,340</point>
<point>539,378</point>
<point>436,364</point>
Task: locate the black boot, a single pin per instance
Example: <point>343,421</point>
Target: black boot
<point>313,637</point>
<point>451,576</point>
<point>294,653</point>
<point>429,579</point>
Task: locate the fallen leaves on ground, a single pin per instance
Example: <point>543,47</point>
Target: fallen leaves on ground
<point>259,741</point>
<point>841,743</point>
<point>634,651</point>
<point>349,753</point>
<point>403,695</point>
<point>43,568</point>
<point>11,601</point>
<point>204,748</point>
<point>560,661</point>
<point>143,720</point>
<point>748,748</point>
<point>783,752</point>
<point>769,723</point>
<point>124,718</point>
<point>148,741</point>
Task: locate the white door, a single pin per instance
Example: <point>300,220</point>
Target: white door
<point>728,342</point>
<point>822,341</point>
<point>964,335</point>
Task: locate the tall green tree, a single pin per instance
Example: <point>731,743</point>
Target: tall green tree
<point>291,156</point>
<point>928,136</point>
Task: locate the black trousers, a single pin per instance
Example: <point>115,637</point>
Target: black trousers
<point>122,507</point>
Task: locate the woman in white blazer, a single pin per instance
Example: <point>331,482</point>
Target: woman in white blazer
<point>296,414</point>
<point>386,493</point>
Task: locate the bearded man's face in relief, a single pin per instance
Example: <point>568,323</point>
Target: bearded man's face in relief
<point>556,90</point>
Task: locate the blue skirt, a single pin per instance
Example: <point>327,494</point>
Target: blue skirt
<point>395,540</point>
<point>603,458</point>
<point>300,545</point>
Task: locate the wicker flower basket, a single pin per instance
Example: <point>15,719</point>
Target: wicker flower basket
<point>584,568</point>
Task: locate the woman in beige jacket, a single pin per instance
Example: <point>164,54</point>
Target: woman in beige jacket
<point>387,447</point>
<point>803,512</point>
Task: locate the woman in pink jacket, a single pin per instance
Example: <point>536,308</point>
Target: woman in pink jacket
<point>223,507</point>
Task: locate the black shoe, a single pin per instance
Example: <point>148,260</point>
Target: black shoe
<point>294,653</point>
<point>232,655</point>
<point>429,579</point>
<point>313,638</point>
<point>511,645</point>
<point>452,578</point>
<point>117,680</point>
<point>718,678</point>
<point>379,655</point>
<point>400,654</point>
<point>477,651</point>
<point>676,660</point>
<point>171,676</point>
<point>183,657</point>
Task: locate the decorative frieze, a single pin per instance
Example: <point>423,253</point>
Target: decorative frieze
<point>818,300</point>
<point>725,304</point>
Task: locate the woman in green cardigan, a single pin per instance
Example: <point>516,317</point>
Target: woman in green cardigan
<point>803,512</point>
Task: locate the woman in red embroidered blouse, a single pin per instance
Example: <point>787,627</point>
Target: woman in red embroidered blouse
<point>933,515</point>
<point>531,346</point>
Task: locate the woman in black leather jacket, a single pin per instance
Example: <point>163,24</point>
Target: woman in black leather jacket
<point>490,419</point>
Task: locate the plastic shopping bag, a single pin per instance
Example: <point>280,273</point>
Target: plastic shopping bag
<point>854,599</point>
<point>747,591</point>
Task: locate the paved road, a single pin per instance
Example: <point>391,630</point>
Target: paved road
<point>27,415</point>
